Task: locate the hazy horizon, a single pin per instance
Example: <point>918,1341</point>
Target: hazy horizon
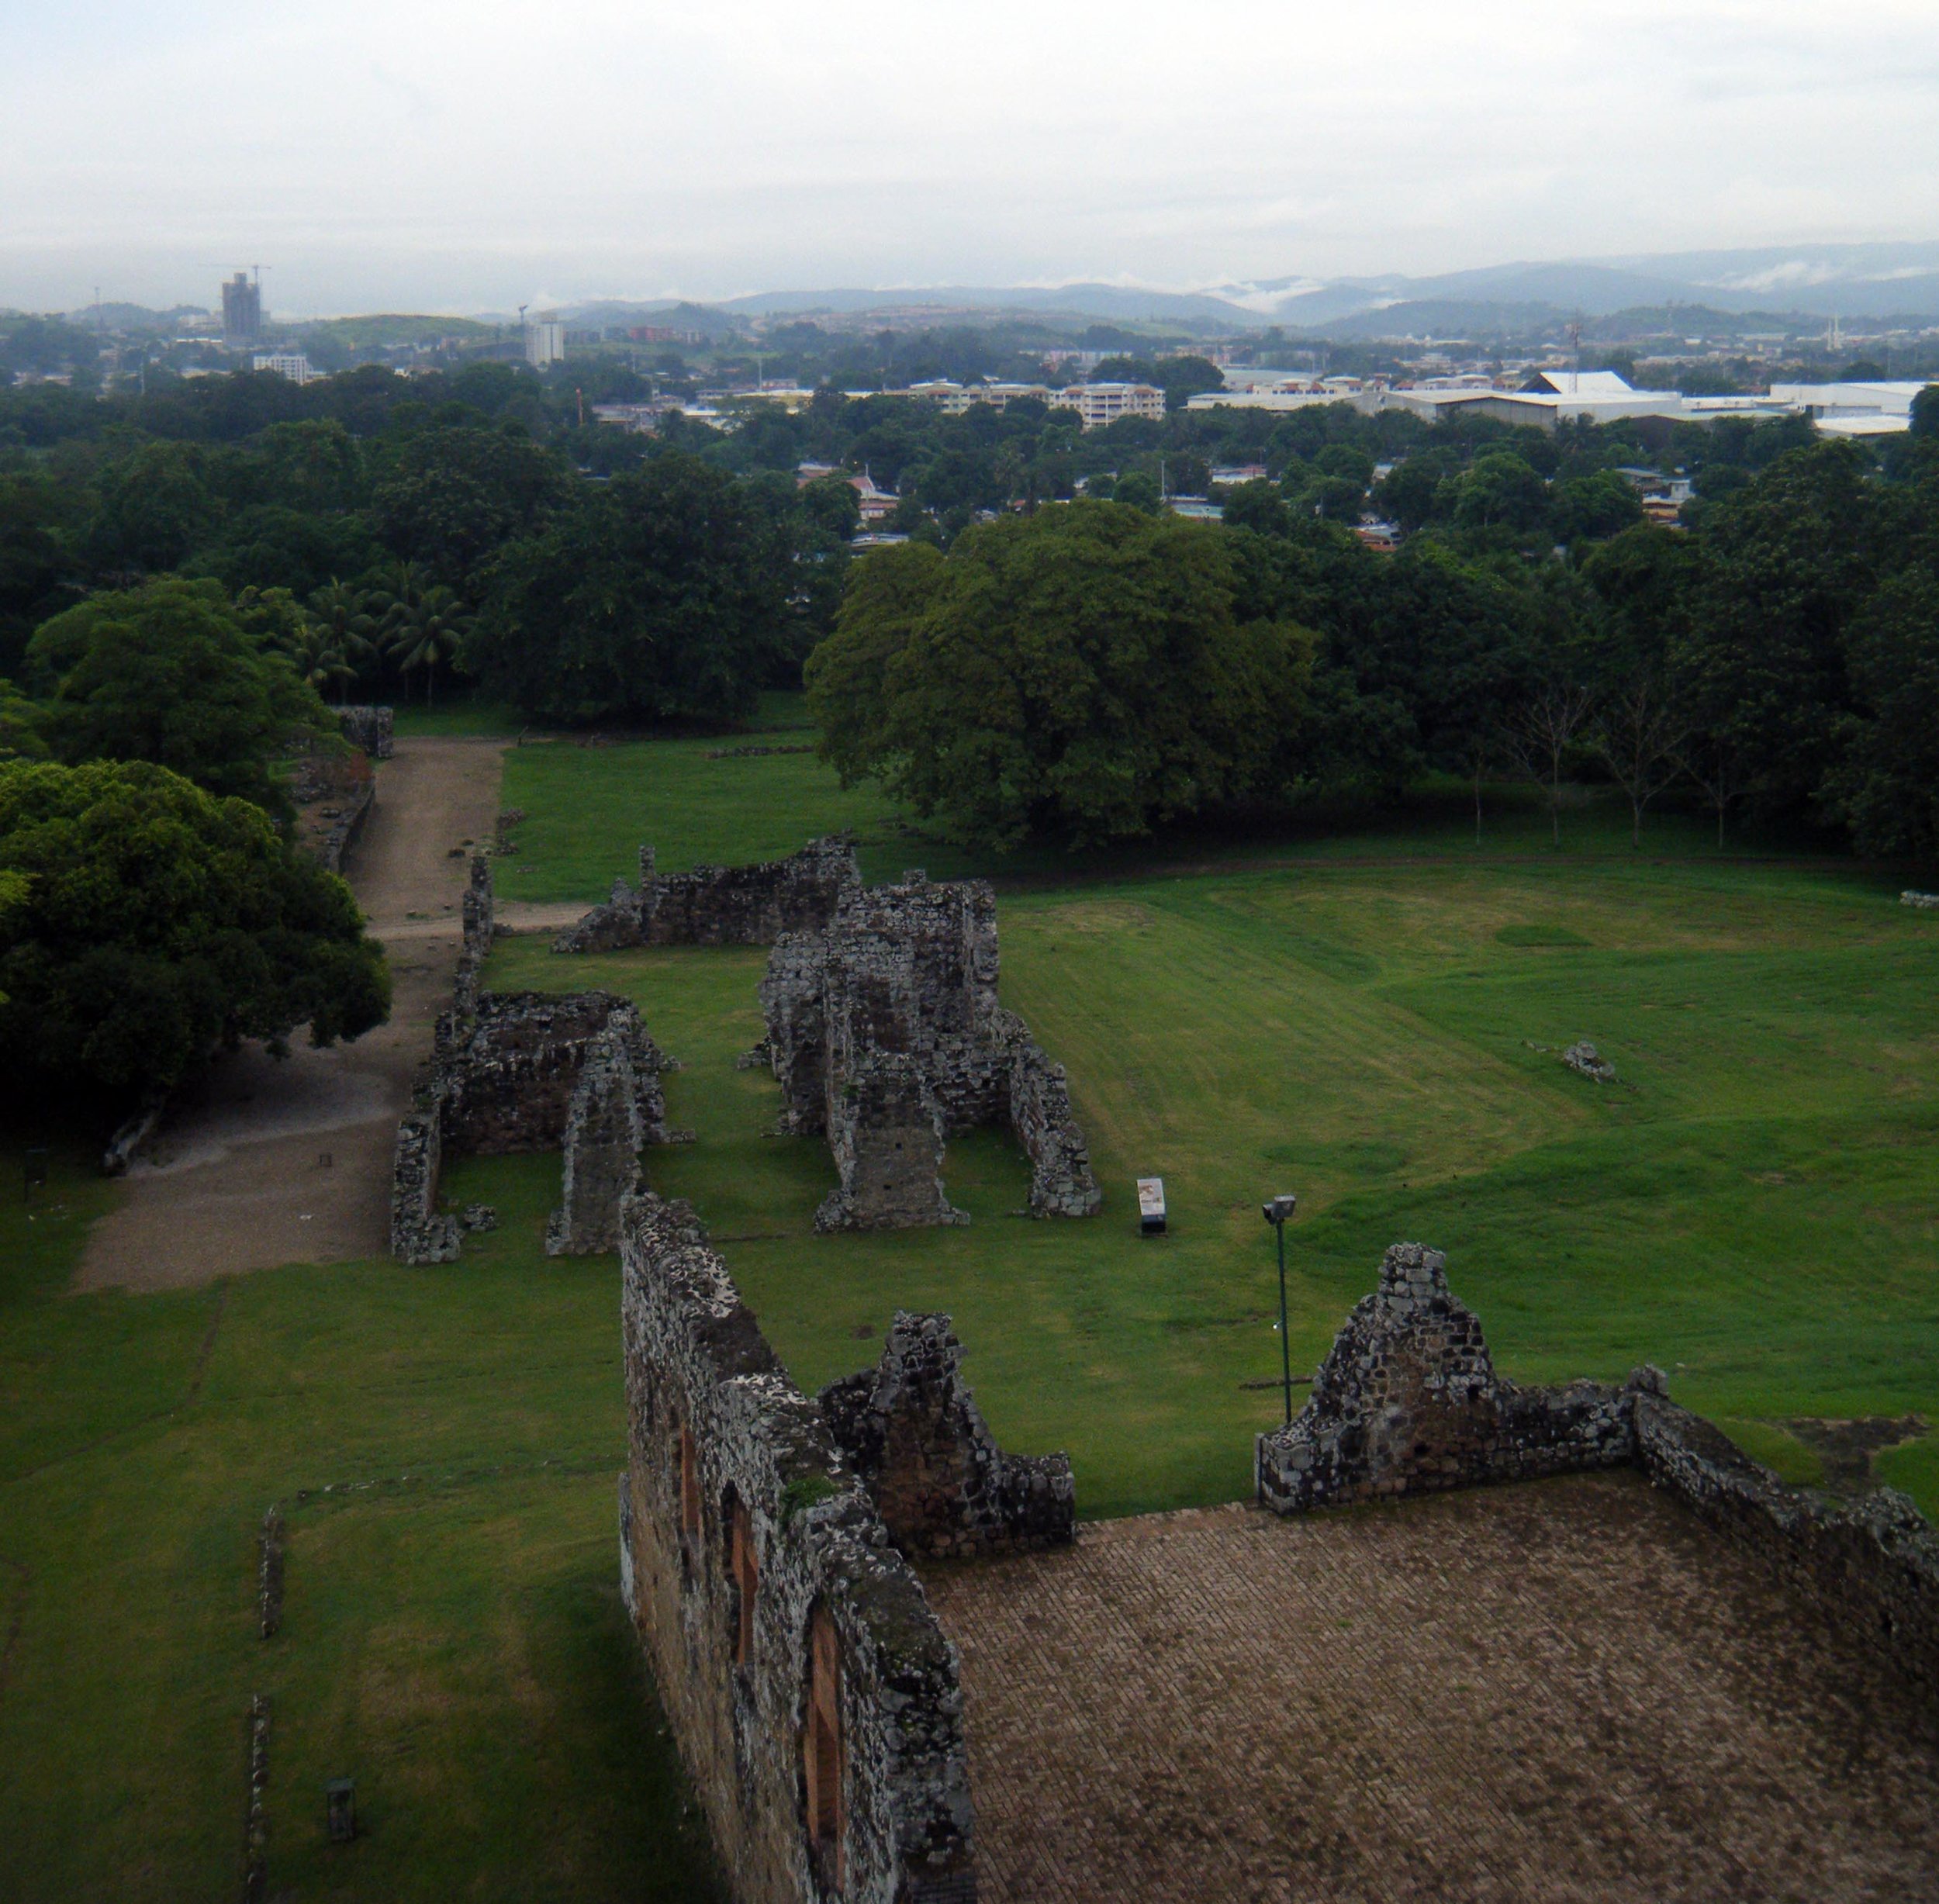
<point>474,159</point>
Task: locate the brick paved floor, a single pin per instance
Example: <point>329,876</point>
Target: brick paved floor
<point>1566,1691</point>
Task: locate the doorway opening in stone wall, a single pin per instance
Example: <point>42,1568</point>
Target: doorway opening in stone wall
<point>821,1753</point>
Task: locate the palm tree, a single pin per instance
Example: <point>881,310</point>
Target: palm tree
<point>319,659</point>
<point>340,615</point>
<point>428,632</point>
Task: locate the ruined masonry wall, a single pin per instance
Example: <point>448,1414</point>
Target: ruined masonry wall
<point>885,1130</point>
<point>716,1432</point>
<point>904,978</point>
<point>604,1132</point>
<point>751,905</point>
<point>911,1428</point>
<point>1873,1563</point>
<point>1408,1401</point>
<point>505,1076</point>
<point>371,728</point>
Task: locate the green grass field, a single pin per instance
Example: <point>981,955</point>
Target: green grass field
<point>1372,1021</point>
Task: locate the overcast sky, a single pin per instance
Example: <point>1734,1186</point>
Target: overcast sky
<point>425,155</point>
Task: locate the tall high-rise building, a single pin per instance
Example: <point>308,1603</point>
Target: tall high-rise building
<point>544,344</point>
<point>242,310</point>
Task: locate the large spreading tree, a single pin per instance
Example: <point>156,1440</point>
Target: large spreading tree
<point>1083,674</point>
<point>167,672</point>
<point>152,925</point>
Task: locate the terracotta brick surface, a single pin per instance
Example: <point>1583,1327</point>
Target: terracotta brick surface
<point>1565,1691</point>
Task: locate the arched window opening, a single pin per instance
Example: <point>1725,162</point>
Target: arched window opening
<point>744,1575</point>
<point>822,1751</point>
<point>689,1486</point>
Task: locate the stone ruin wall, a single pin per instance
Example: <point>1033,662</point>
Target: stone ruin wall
<point>522,1071</point>
<point>814,1698</point>
<point>884,1033</point>
<point>371,728</point>
<point>751,905</point>
<point>911,1427</point>
<point>1407,1401</point>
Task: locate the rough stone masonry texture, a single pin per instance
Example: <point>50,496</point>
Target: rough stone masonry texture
<point>506,1074</point>
<point>751,905</point>
<point>1408,1401</point>
<point>884,1026</point>
<point>743,1535</point>
<point>911,1428</point>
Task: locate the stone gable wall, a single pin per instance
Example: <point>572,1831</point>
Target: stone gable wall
<point>718,1434</point>
<point>911,1427</point>
<point>1408,1401</point>
<point>751,905</point>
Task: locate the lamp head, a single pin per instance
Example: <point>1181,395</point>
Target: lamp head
<point>1281,1208</point>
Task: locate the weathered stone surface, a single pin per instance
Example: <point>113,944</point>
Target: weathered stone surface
<point>885,1129</point>
<point>751,905</point>
<point>1872,1562</point>
<point>743,1536</point>
<point>345,824</point>
<point>604,1133</point>
<point>371,728</point>
<point>1582,1057</point>
<point>1408,1401</point>
<point>418,1232</point>
<point>505,1076</point>
<point>911,1427</point>
<point>905,978</point>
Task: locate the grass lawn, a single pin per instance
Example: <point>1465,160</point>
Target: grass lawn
<point>590,808</point>
<point>443,1444</point>
<point>1753,1206</point>
<point>1372,1021</point>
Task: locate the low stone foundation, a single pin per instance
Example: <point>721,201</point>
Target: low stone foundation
<point>911,1427</point>
<point>814,1699</point>
<point>751,905</point>
<point>1408,1402</point>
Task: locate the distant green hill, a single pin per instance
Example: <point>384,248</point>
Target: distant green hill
<point>385,330</point>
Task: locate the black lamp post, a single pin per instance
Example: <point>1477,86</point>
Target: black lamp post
<point>1277,1213</point>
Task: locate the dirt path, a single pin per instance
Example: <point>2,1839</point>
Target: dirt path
<point>237,1180</point>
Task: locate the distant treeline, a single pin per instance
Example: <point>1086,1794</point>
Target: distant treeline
<point>1776,656</point>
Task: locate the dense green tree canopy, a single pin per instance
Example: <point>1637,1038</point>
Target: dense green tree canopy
<point>167,672</point>
<point>1082,674</point>
<point>669,593</point>
<point>154,924</point>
